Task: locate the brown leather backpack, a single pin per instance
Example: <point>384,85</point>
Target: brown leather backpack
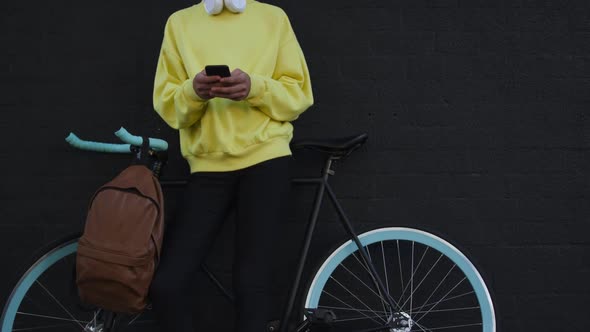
<point>119,250</point>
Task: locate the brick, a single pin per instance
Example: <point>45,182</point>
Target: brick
<point>493,211</point>
<point>547,90</point>
<point>490,67</point>
<point>540,20</point>
<point>465,43</point>
<point>529,161</point>
<point>429,3</point>
<point>425,67</point>
<point>408,186</point>
<point>338,44</point>
<point>540,307</point>
<point>541,67</point>
<point>545,233</point>
<point>420,162</point>
<point>353,186</point>
<point>497,42</point>
<point>482,91</point>
<point>388,43</point>
<point>548,4</point>
<point>516,260</point>
<point>323,67</point>
<point>552,42</point>
<point>373,67</point>
<point>529,283</point>
<point>471,186</point>
<point>431,19</point>
<point>544,186</point>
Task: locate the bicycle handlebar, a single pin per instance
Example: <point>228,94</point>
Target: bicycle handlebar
<point>155,143</point>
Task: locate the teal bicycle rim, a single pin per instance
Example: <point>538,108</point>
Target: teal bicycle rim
<point>29,278</point>
<point>400,233</point>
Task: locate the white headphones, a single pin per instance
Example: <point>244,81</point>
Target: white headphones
<point>214,7</point>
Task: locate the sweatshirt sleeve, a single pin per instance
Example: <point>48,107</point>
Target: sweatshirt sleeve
<point>288,93</point>
<point>174,98</point>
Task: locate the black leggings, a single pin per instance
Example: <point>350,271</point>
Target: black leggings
<point>259,194</point>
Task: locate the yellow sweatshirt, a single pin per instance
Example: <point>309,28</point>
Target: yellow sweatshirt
<point>221,134</point>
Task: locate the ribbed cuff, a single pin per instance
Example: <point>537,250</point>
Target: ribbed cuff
<point>189,91</point>
<point>256,87</point>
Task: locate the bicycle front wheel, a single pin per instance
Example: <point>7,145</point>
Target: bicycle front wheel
<point>45,298</point>
<point>433,286</point>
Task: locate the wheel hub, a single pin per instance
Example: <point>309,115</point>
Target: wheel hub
<point>94,325</point>
<point>401,322</point>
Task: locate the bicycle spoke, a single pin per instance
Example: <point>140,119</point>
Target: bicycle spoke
<point>439,301</point>
<point>383,255</point>
<point>421,281</point>
<point>376,285</point>
<point>375,329</point>
<point>411,280</point>
<point>144,321</point>
<point>59,303</point>
<point>414,271</point>
<point>401,277</point>
<point>136,317</point>
<point>439,284</point>
<point>51,317</point>
<point>453,309</point>
<point>324,291</point>
<point>361,263</point>
<point>356,297</point>
<point>384,266</point>
<point>354,275</point>
<point>447,299</point>
<point>454,326</point>
<point>41,327</point>
<point>353,318</point>
<point>342,308</point>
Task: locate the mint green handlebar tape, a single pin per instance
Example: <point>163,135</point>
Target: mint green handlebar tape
<point>97,146</point>
<point>155,143</point>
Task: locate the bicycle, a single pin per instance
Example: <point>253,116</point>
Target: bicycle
<point>394,279</point>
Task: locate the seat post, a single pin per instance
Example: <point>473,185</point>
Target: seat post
<point>327,170</point>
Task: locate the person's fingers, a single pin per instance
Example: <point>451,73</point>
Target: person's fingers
<point>228,89</point>
<point>232,80</point>
<point>236,77</point>
<point>239,95</point>
<point>208,85</point>
<point>206,79</point>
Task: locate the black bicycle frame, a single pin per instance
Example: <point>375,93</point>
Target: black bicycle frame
<point>322,181</point>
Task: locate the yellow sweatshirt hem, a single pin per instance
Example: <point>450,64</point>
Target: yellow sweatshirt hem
<point>220,161</point>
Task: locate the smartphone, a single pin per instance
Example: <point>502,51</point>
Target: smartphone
<point>217,70</point>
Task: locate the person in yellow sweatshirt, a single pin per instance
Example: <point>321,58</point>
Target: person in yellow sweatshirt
<point>234,133</point>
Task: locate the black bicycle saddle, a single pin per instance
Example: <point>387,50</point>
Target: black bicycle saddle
<point>335,146</point>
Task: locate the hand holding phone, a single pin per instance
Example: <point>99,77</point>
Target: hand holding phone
<point>202,84</point>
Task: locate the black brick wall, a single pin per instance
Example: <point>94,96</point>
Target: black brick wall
<point>477,114</point>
